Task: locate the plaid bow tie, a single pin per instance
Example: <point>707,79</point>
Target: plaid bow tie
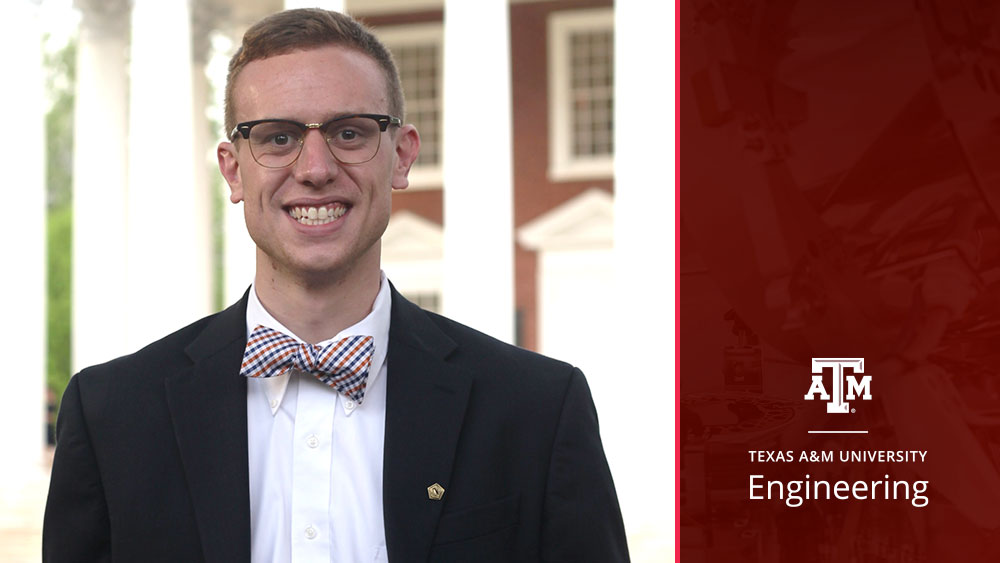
<point>342,365</point>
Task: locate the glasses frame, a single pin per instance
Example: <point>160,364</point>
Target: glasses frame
<point>383,120</point>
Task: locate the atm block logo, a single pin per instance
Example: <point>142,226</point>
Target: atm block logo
<point>844,387</point>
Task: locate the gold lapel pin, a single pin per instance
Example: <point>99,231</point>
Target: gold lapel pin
<point>435,491</point>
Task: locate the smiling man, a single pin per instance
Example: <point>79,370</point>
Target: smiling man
<point>323,417</point>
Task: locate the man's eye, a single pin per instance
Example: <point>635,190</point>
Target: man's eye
<point>347,135</point>
<point>274,136</point>
<point>281,138</point>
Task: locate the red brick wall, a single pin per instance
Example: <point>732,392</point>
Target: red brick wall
<point>534,193</point>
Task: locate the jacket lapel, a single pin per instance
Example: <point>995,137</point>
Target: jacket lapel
<point>425,405</point>
<point>208,408</point>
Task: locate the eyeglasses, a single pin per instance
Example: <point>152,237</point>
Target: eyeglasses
<point>352,139</point>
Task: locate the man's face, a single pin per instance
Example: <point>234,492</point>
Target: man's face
<point>314,86</point>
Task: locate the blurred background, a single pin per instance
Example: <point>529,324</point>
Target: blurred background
<point>541,209</point>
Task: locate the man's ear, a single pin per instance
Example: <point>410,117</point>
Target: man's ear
<point>407,148</point>
<point>229,165</point>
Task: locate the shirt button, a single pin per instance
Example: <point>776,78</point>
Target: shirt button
<point>274,403</point>
<point>312,441</point>
<point>310,532</point>
<point>349,405</point>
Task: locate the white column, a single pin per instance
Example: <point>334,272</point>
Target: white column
<point>240,253</point>
<point>23,230</point>
<point>100,164</point>
<point>478,199</point>
<point>202,148</point>
<point>335,5</point>
<point>643,460</point>
<point>204,19</point>
<point>168,285</point>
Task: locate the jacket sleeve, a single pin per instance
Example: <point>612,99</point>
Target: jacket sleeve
<point>76,526</point>
<point>581,521</point>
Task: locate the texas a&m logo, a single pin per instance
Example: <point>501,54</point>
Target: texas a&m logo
<point>845,387</point>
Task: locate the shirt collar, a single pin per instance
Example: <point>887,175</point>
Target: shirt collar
<point>376,325</point>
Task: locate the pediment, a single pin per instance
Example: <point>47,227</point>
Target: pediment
<point>584,222</point>
<point>412,237</point>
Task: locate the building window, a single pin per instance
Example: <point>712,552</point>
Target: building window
<point>418,53</point>
<point>581,94</point>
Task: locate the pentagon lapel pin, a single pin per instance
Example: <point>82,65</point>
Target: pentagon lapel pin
<point>435,491</point>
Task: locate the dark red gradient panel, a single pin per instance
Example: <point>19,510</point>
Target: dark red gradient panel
<point>839,280</point>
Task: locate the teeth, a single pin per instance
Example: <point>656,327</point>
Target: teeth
<point>317,216</point>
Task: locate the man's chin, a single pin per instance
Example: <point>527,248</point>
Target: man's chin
<point>320,264</point>
<point>325,269</point>
<point>317,271</point>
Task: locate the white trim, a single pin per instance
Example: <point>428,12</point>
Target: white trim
<point>584,222</point>
<point>422,177</point>
<point>562,165</point>
<point>374,7</point>
<point>429,32</point>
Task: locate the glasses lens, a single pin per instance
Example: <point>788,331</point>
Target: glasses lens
<point>275,143</point>
<point>353,140</point>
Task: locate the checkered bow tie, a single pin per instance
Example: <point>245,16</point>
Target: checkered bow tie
<point>342,365</point>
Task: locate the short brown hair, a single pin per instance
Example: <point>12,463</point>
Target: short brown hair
<point>310,28</point>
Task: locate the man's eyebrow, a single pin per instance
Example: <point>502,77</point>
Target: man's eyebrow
<point>340,114</point>
<point>328,117</point>
<point>272,118</point>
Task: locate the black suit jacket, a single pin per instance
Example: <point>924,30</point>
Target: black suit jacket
<point>151,461</point>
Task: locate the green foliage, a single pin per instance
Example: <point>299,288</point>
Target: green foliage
<point>60,267</point>
<point>218,209</point>
<point>60,66</point>
<point>218,203</point>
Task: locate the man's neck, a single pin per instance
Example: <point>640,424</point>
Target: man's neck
<point>318,311</point>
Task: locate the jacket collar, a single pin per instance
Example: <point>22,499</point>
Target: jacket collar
<point>209,414</point>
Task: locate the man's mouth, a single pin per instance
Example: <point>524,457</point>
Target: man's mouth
<point>317,215</point>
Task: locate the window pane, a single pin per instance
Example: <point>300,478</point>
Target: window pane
<point>419,71</point>
<point>592,91</point>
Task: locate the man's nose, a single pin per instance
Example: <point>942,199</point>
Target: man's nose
<point>315,165</point>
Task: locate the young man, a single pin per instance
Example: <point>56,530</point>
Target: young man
<point>324,417</point>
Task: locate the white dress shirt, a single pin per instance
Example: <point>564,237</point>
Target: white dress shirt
<point>316,456</point>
